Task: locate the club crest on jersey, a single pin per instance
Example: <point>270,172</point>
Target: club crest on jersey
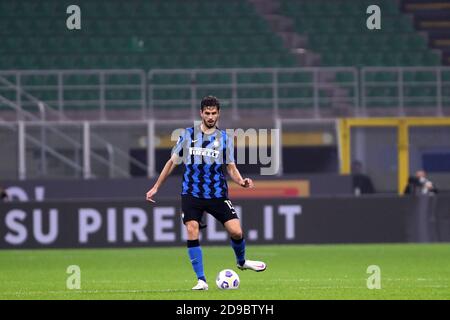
<point>204,152</point>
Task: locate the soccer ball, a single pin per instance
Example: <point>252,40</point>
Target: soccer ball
<point>227,279</point>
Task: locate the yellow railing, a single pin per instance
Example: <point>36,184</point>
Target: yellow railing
<point>402,125</point>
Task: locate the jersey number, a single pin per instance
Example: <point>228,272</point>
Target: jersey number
<point>230,205</point>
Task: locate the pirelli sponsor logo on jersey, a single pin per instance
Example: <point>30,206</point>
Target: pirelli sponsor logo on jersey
<point>195,151</point>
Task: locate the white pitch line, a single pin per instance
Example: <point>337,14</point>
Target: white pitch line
<point>92,291</point>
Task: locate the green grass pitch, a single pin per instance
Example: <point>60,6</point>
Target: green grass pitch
<point>294,272</point>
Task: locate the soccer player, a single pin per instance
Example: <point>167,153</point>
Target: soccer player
<point>204,149</point>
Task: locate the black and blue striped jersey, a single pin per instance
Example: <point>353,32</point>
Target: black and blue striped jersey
<point>203,156</point>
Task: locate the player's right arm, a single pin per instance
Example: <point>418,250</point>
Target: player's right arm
<point>175,159</point>
<point>167,170</point>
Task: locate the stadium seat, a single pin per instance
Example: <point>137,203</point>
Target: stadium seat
<point>337,31</point>
<point>118,31</point>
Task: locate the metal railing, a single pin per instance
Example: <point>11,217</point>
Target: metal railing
<point>273,89</point>
<point>318,92</point>
<point>406,89</point>
<point>96,91</point>
<point>83,156</point>
<point>47,128</point>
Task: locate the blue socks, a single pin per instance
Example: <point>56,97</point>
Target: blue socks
<point>239,250</point>
<point>195,254</point>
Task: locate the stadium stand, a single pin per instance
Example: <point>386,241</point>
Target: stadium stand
<point>174,34</point>
<point>433,18</point>
<point>338,31</point>
<point>141,34</point>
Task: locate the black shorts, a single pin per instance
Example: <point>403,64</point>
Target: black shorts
<point>193,208</point>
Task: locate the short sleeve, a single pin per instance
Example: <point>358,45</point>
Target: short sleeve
<point>178,148</point>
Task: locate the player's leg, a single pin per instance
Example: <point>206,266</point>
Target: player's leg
<point>223,210</point>
<point>234,229</point>
<point>238,244</point>
<point>195,253</point>
<point>192,214</point>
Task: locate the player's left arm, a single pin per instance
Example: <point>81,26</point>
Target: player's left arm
<point>236,176</point>
<point>231,164</point>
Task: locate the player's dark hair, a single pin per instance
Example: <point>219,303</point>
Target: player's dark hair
<point>210,101</point>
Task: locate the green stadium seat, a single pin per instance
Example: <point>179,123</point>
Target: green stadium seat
<point>393,59</point>
<point>53,9</point>
<point>351,8</point>
<point>161,79</point>
<point>207,34</point>
<point>345,77</point>
<point>81,79</point>
<point>39,80</point>
<point>373,59</point>
<point>431,59</point>
<point>224,93</point>
<point>216,78</point>
<point>296,92</point>
<point>445,76</point>
<point>417,42</point>
<point>337,31</point>
<point>420,97</point>
<point>45,95</point>
<point>296,77</point>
